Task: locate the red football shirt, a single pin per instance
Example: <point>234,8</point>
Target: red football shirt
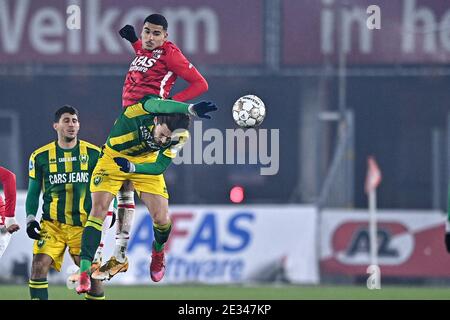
<point>8,180</point>
<point>155,72</point>
<point>2,210</point>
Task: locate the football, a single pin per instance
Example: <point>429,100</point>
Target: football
<point>249,111</point>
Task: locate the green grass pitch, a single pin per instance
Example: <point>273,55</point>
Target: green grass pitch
<point>202,292</point>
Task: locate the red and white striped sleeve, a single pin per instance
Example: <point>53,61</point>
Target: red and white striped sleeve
<point>178,63</point>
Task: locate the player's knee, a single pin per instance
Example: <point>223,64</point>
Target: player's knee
<point>99,210</point>
<point>161,217</point>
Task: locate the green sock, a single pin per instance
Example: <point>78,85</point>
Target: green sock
<point>85,265</point>
<point>91,296</point>
<point>158,246</point>
<point>161,234</point>
<point>38,289</point>
<point>90,241</point>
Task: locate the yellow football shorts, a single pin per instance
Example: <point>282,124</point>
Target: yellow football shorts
<point>56,237</point>
<point>108,177</point>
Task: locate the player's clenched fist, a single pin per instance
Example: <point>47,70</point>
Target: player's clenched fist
<point>128,33</point>
<point>125,165</point>
<point>32,226</point>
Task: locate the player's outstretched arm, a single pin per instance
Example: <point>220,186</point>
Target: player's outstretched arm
<point>198,85</point>
<point>164,106</point>
<point>200,109</point>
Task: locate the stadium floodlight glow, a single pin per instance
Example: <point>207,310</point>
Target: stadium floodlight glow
<point>237,194</point>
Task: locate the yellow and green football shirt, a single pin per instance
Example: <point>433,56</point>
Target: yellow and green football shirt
<point>64,176</point>
<point>131,134</point>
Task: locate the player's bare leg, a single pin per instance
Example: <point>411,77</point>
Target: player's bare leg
<point>38,283</point>
<point>158,207</point>
<point>74,278</point>
<point>119,262</point>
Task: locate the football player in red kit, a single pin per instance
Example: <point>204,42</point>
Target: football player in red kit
<point>154,70</point>
<point>157,65</point>
<point>8,224</point>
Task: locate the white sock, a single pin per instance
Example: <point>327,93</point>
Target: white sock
<point>125,215</point>
<point>120,249</point>
<point>98,253</point>
<point>105,227</point>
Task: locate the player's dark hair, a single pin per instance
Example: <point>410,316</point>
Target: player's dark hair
<point>157,19</point>
<point>65,109</point>
<point>174,121</point>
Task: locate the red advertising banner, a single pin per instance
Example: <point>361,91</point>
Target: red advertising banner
<point>411,32</point>
<point>410,244</point>
<point>208,31</point>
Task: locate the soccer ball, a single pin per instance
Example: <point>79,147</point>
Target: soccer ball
<point>249,111</point>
